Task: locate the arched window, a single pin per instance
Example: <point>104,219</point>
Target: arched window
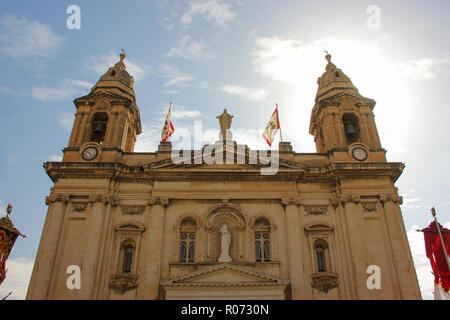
<point>188,231</point>
<point>99,123</point>
<point>128,252</point>
<point>322,255</point>
<point>262,240</point>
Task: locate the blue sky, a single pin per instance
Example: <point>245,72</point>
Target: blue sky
<point>206,55</point>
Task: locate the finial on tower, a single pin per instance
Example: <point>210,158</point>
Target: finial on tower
<point>120,64</point>
<point>330,65</point>
<point>328,56</point>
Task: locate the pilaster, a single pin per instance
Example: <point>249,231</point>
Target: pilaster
<point>294,240</point>
<point>154,259</point>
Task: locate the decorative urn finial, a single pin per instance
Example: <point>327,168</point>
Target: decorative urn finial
<point>120,64</point>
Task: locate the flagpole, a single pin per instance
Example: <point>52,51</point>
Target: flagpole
<point>433,212</point>
<point>279,123</point>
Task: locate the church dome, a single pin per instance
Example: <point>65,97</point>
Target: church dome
<point>332,80</point>
<point>117,80</point>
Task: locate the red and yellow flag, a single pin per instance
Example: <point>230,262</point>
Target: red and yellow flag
<point>168,128</point>
<point>437,246</point>
<point>272,127</point>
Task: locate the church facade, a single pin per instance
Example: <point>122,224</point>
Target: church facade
<point>323,225</point>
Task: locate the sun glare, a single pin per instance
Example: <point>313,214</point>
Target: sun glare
<point>376,77</point>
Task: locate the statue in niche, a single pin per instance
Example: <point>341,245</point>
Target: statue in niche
<point>225,242</point>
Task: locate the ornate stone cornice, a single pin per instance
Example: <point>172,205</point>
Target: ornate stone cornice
<point>225,284</point>
<point>169,172</point>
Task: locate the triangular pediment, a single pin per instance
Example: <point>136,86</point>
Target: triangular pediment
<point>236,162</point>
<point>227,274</point>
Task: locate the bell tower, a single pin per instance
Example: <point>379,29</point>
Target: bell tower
<point>342,120</point>
<point>107,120</point>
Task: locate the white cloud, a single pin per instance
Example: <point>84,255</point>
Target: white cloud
<point>178,112</point>
<point>6,90</point>
<point>412,203</point>
<point>17,278</point>
<point>171,92</point>
<point>424,68</point>
<point>68,88</point>
<point>193,50</point>
<point>101,63</point>
<point>210,10</point>
<point>22,38</point>
<point>204,85</point>
<point>54,158</point>
<point>247,93</point>
<point>65,120</point>
<point>175,77</point>
<point>183,113</point>
<point>149,139</point>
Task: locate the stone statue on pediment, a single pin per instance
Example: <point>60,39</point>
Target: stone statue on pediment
<point>225,123</point>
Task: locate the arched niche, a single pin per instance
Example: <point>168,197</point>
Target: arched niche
<point>232,216</point>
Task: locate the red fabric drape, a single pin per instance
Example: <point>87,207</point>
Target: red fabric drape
<point>436,255</point>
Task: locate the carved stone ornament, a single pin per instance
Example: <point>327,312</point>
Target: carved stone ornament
<point>122,282</point>
<point>79,206</point>
<point>335,200</point>
<point>369,206</point>
<point>158,201</point>
<point>391,197</point>
<point>316,210</point>
<point>291,201</point>
<point>324,281</point>
<point>350,198</point>
<point>132,210</point>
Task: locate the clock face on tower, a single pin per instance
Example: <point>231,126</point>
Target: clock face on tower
<point>359,154</point>
<point>89,153</point>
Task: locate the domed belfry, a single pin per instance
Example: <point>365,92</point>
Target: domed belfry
<point>342,119</point>
<point>108,116</point>
<point>224,221</point>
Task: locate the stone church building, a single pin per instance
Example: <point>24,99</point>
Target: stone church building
<point>140,225</point>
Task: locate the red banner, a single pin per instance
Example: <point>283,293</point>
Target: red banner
<point>436,253</point>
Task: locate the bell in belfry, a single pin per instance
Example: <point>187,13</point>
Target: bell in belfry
<point>350,131</point>
<point>99,129</point>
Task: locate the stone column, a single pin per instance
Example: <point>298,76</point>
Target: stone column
<point>357,248</point>
<point>45,259</point>
<point>347,287</point>
<point>295,246</point>
<point>91,257</point>
<point>154,255</point>
<point>406,284</point>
